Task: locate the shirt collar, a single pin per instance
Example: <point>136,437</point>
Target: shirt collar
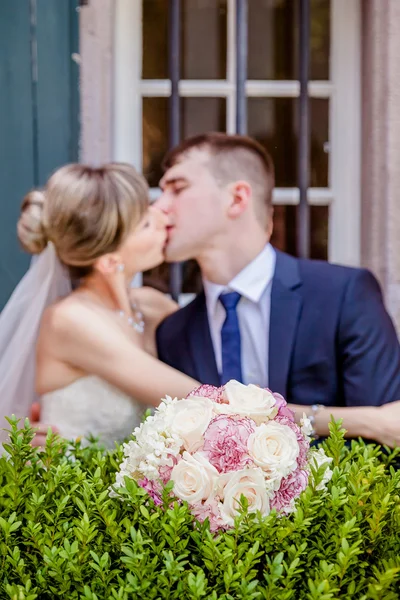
<point>251,282</point>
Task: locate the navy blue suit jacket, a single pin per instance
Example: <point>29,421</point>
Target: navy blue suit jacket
<point>331,340</point>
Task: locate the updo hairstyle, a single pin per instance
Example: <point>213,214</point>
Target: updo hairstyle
<point>85,212</point>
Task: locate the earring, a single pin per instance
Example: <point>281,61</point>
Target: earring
<point>120,268</point>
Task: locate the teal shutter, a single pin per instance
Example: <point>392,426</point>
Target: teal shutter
<point>39,111</point>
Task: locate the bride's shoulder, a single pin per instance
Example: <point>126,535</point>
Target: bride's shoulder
<point>68,314</point>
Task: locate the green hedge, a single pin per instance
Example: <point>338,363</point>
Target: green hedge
<point>62,536</point>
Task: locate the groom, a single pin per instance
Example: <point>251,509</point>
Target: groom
<point>316,333</point>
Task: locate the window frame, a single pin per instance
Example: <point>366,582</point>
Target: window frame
<point>343,91</point>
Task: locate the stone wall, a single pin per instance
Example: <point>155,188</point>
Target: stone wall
<point>96,56</point>
<point>380,227</point>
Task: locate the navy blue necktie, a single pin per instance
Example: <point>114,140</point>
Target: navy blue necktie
<point>230,339</point>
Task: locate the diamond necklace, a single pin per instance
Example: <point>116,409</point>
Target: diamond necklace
<point>136,321</point>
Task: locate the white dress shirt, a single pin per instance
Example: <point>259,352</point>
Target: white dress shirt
<point>254,284</point>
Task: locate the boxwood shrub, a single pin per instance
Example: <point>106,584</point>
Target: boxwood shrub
<point>63,536</point>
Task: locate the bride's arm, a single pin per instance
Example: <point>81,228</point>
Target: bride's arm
<point>379,423</point>
<point>82,340</point>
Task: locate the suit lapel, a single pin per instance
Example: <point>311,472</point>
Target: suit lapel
<point>201,346</point>
<point>286,303</point>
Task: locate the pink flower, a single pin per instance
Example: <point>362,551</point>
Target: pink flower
<point>152,488</point>
<point>207,391</point>
<point>304,445</point>
<point>283,409</point>
<point>209,510</point>
<point>225,443</point>
<point>165,473</point>
<point>290,488</point>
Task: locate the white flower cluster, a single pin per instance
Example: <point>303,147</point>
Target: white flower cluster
<point>155,446</point>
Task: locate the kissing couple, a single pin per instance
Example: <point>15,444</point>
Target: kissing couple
<point>97,355</point>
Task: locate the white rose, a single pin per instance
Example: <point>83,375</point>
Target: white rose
<point>248,400</point>
<point>274,448</point>
<point>194,478</point>
<point>189,419</point>
<point>317,458</point>
<point>247,482</point>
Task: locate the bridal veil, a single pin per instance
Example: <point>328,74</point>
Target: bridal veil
<point>45,281</point>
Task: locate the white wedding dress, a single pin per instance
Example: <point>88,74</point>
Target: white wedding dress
<point>90,405</point>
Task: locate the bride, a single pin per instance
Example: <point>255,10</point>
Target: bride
<point>94,371</point>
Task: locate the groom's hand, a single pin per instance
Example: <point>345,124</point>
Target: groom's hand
<point>154,305</point>
<point>388,424</point>
<point>39,439</point>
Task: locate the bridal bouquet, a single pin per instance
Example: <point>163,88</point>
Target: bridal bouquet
<point>220,444</point>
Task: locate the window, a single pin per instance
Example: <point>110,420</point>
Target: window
<point>208,102</point>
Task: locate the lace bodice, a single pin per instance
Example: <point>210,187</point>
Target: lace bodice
<point>91,406</point>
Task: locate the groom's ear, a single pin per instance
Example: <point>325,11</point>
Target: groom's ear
<point>240,197</point>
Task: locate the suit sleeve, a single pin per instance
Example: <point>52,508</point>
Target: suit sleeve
<point>170,342</point>
<point>369,351</point>
<point>162,342</point>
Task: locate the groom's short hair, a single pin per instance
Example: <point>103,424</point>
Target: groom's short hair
<point>233,157</point>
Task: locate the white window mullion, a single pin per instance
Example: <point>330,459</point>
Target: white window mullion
<point>287,89</point>
<point>291,196</point>
<point>206,88</point>
<point>285,196</point>
<point>156,88</point>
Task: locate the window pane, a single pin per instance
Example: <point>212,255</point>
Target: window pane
<point>273,39</point>
<point>200,20</point>
<point>319,216</point>
<point>319,117</point>
<point>155,39</point>
<point>273,123</point>
<point>204,39</point>
<point>272,43</point>
<point>320,39</point>
<point>159,278</point>
<point>284,234</point>
<point>155,137</point>
<point>200,115</point>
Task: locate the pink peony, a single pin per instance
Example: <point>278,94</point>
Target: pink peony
<point>283,409</point>
<point>225,443</point>
<point>152,488</point>
<point>304,445</point>
<point>207,391</point>
<point>210,510</point>
<point>165,474</point>
<point>165,470</point>
<point>290,488</point>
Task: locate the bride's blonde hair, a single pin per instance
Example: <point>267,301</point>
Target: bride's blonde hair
<point>85,211</point>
